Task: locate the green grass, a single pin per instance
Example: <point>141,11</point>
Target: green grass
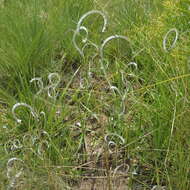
<point>148,106</point>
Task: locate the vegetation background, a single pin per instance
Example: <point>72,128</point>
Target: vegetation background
<point>66,147</point>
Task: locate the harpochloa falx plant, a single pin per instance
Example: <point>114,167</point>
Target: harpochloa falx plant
<point>38,144</point>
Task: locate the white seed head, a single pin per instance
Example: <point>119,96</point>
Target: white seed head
<point>23,105</point>
<point>174,30</point>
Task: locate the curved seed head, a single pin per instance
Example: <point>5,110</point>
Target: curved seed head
<point>89,44</point>
<point>39,80</point>
<point>44,134</point>
<point>76,32</point>
<point>122,140</point>
<point>111,146</point>
<point>39,83</point>
<point>90,13</point>
<point>108,40</point>
<point>43,113</point>
<point>111,142</point>
<point>133,64</point>
<point>54,75</point>
<point>28,140</point>
<point>86,31</point>
<point>114,88</point>
<point>123,167</point>
<point>8,146</point>
<point>23,105</point>
<point>174,42</point>
<point>17,144</point>
<point>11,167</point>
<point>53,84</point>
<point>157,187</point>
<point>42,146</point>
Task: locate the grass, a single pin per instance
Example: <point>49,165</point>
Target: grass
<point>144,110</point>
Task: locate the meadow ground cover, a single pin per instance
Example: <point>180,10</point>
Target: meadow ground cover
<point>94,94</point>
